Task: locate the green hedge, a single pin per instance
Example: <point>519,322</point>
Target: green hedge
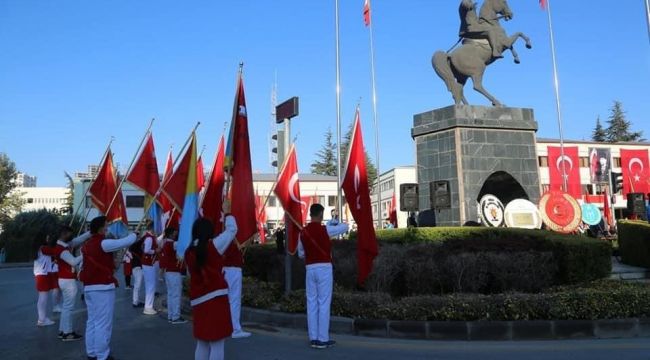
<point>603,299</point>
<point>634,243</point>
<point>452,260</point>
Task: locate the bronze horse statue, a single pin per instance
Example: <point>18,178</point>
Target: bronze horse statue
<point>483,42</point>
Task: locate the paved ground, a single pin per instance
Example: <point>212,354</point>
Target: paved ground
<point>138,337</point>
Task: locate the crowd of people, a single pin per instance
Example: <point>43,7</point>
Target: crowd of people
<point>213,263</point>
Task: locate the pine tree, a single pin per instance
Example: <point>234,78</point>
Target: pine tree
<point>325,164</point>
<point>599,134</point>
<point>69,199</point>
<point>619,127</point>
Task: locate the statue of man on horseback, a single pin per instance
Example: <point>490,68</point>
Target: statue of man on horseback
<point>483,41</point>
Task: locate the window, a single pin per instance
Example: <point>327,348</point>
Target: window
<point>30,200</point>
<point>331,200</point>
<point>135,201</point>
<point>543,161</point>
<point>617,162</point>
<point>584,162</point>
<point>271,202</point>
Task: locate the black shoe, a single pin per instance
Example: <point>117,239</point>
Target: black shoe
<point>139,305</point>
<point>329,344</point>
<point>71,337</point>
<point>61,334</point>
<point>318,345</point>
<point>313,344</point>
<point>180,320</point>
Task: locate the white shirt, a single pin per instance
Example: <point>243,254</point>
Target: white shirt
<point>332,231</point>
<point>66,255</point>
<point>223,240</point>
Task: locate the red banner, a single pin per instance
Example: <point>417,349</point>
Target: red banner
<point>104,190</point>
<point>287,190</point>
<point>636,171</point>
<point>144,174</point>
<point>357,194</point>
<point>176,187</point>
<point>213,197</point>
<point>567,166</point>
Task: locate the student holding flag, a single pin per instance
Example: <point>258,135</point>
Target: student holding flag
<point>150,250</point>
<point>173,268</point>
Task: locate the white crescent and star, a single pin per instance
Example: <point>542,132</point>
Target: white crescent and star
<point>560,160</point>
<point>292,187</point>
<point>633,161</point>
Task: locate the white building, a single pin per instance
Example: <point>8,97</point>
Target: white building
<point>23,180</point>
<point>49,198</point>
<point>389,183</point>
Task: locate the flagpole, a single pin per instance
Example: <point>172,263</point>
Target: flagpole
<point>374,112</point>
<point>83,200</point>
<point>160,189</point>
<point>339,205</point>
<point>233,124</point>
<point>647,15</point>
<point>557,92</point>
<point>135,156</point>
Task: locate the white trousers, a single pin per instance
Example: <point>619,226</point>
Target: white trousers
<point>234,278</point>
<point>212,350</point>
<point>150,279</point>
<point>56,299</point>
<point>41,305</point>
<point>99,326</point>
<point>174,284</point>
<point>69,296</point>
<point>137,278</point>
<point>319,298</point>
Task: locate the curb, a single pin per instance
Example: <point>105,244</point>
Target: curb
<point>463,330</point>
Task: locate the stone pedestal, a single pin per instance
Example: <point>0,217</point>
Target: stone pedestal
<point>479,150</point>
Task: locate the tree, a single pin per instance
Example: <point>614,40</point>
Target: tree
<point>11,205</point>
<point>325,163</point>
<point>7,175</point>
<point>599,134</point>
<point>370,166</point>
<point>69,199</point>
<point>619,126</point>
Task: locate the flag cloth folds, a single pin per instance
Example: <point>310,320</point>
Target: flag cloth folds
<point>569,162</point>
<point>190,204</point>
<point>261,218</point>
<point>213,198</point>
<point>542,4</point>
<point>144,176</point>
<point>169,216</point>
<point>366,12</point>
<point>357,193</point>
<point>287,190</point>
<point>392,213</point>
<point>237,161</point>
<point>635,167</point>
<point>200,174</point>
<point>102,192</point>
<point>607,210</point>
<point>175,188</point>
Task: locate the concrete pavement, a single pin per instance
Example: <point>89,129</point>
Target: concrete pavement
<point>136,336</point>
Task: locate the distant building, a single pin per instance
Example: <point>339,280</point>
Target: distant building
<point>389,183</point>
<point>24,181</point>
<point>92,172</point>
<point>38,198</point>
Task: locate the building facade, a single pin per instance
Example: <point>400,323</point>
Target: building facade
<point>23,180</point>
<point>389,184</point>
<point>38,198</point>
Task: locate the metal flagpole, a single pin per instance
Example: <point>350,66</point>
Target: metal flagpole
<point>647,15</point>
<point>374,113</point>
<point>339,204</point>
<point>557,93</point>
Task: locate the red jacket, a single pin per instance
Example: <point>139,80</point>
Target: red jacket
<point>149,259</point>
<point>97,264</point>
<point>207,282</point>
<point>66,271</point>
<point>317,244</point>
<point>168,260</point>
<point>233,257</point>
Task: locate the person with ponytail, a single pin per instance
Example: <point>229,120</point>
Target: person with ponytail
<point>208,287</point>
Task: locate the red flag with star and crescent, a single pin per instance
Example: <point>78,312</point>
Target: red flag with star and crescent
<point>636,171</point>
<point>287,190</point>
<point>105,190</point>
<point>366,12</point>
<point>569,162</point>
<point>357,194</point>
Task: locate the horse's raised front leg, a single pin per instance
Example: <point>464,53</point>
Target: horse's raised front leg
<point>477,80</point>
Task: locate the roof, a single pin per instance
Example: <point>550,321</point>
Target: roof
<point>548,140</point>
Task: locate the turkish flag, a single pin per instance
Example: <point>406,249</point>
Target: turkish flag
<point>570,163</point>
<point>200,174</point>
<point>144,174</point>
<point>238,162</point>
<point>392,213</point>
<point>366,12</point>
<point>261,218</point>
<point>165,204</point>
<point>287,190</point>
<point>636,171</point>
<point>213,198</point>
<point>542,4</point>
<point>357,194</point>
<point>104,191</point>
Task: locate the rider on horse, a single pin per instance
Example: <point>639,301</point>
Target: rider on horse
<point>473,27</point>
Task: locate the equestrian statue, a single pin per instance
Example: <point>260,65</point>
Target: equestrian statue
<point>483,42</point>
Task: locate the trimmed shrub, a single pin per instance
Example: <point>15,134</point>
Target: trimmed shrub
<point>448,260</point>
<point>634,243</point>
<point>603,299</point>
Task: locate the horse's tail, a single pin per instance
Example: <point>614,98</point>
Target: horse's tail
<point>441,65</point>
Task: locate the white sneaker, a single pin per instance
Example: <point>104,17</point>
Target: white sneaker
<point>150,312</point>
<point>240,334</point>
<point>46,322</point>
<point>56,309</point>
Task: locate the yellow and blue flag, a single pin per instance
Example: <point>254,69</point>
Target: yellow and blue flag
<point>190,203</point>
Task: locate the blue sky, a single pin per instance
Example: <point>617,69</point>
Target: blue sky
<point>75,73</point>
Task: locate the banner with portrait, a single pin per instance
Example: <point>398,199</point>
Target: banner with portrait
<point>600,165</point>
